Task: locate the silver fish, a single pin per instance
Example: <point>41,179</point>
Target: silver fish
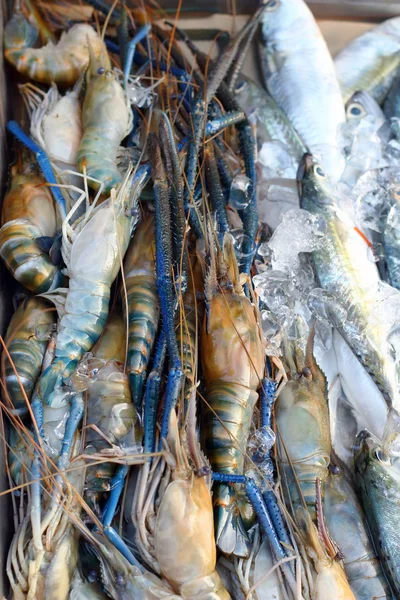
<point>365,119</point>
<point>378,483</point>
<point>345,269</point>
<point>346,524</point>
<point>370,61</point>
<point>300,76</point>
<point>270,120</point>
<point>361,105</point>
<point>391,242</point>
<point>391,107</point>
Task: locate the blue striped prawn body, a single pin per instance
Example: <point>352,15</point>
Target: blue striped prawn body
<point>93,265</point>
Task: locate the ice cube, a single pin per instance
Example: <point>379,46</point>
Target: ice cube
<point>305,232</point>
<point>239,194</point>
<point>276,160</point>
<point>325,307</point>
<point>274,198</point>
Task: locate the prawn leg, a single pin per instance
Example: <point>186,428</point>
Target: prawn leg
<point>215,190</point>
<point>267,400</point>
<point>165,285</point>
<point>215,126</point>
<point>255,498</point>
<point>43,161</point>
<point>152,394</point>
<point>117,486</point>
<point>130,53</point>
<point>176,201</point>
<point>247,146</point>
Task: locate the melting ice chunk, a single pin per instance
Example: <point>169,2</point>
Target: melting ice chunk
<point>276,160</point>
<point>305,232</point>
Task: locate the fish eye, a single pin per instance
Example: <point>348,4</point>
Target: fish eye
<point>382,457</point>
<point>355,110</point>
<point>272,4</point>
<point>100,70</point>
<point>319,171</point>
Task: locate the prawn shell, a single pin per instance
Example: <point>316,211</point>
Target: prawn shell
<point>25,349</point>
<point>303,424</point>
<point>62,63</point>
<point>232,359</point>
<point>142,301</point>
<point>28,213</point>
<point>107,119</point>
<point>184,539</point>
<point>59,573</point>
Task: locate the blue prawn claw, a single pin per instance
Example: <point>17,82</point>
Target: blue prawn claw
<point>43,161</point>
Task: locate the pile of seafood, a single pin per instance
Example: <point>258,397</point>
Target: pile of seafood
<point>200,380</point>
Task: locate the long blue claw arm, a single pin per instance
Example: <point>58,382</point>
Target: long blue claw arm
<point>36,487</point>
<point>255,498</point>
<point>164,271</point>
<point>214,190</point>
<point>141,34</point>
<point>117,485</point>
<point>43,161</point>
<point>175,381</point>
<point>123,36</point>
<point>140,60</point>
<point>178,222</point>
<point>246,138</point>
<point>197,116</point>
<point>267,401</point>
<point>217,125</point>
<point>74,418</point>
<point>119,543</point>
<point>250,214</point>
<point>152,394</point>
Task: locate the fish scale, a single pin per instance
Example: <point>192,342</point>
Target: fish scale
<point>300,75</point>
<point>345,270</point>
<point>370,62</point>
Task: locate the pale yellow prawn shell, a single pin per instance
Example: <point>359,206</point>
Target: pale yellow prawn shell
<point>331,582</point>
<point>184,541</point>
<point>56,583</point>
<point>62,63</point>
<point>65,119</point>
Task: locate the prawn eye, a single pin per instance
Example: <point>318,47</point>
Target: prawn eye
<point>92,576</point>
<point>100,70</point>
<point>319,171</point>
<point>241,86</point>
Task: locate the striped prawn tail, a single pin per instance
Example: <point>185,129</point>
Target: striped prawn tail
<point>227,419</point>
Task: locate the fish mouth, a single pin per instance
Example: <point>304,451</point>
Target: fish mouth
<point>305,165</point>
<point>363,441</point>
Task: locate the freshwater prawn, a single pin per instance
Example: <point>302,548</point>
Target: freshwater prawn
<point>93,249</point>
<point>62,63</point>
